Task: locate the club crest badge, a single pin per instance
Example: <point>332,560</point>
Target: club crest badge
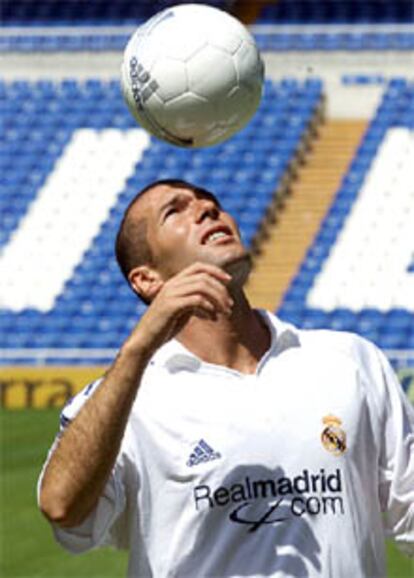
<point>333,436</point>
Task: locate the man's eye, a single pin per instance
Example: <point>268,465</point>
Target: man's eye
<point>170,211</point>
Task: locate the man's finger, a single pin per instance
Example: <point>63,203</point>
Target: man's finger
<point>208,268</point>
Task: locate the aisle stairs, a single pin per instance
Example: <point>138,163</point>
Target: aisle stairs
<point>298,221</point>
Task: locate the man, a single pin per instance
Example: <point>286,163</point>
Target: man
<point>223,442</point>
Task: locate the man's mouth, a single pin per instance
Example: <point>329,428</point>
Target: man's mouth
<point>216,235</point>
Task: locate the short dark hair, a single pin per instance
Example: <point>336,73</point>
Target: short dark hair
<point>131,245</point>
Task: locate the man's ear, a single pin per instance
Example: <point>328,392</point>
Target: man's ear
<point>145,281</point>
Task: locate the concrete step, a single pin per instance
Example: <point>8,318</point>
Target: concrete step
<point>297,222</point>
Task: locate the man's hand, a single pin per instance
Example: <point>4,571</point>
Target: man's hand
<point>199,290</point>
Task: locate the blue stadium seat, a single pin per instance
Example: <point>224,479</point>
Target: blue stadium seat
<point>342,320</point>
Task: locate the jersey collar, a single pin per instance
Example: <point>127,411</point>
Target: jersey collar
<point>175,357</point>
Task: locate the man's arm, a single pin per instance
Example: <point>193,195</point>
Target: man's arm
<point>80,465</point>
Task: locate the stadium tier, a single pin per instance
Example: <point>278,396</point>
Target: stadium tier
<point>337,11</point>
<point>357,274</point>
<point>23,12</point>
<point>73,158</point>
<point>19,12</point>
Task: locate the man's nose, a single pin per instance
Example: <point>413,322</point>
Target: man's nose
<point>206,208</point>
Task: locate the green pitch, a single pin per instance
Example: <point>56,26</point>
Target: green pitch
<point>27,546</point>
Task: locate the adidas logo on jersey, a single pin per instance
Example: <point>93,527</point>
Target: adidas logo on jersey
<point>202,453</point>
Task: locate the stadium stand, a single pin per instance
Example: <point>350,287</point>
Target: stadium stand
<point>43,119</point>
<point>331,25</point>
<point>337,11</point>
<point>357,274</point>
<point>24,12</point>
<point>94,308</point>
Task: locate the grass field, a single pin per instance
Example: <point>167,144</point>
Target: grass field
<point>27,545</point>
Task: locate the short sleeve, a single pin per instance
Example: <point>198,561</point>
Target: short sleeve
<point>101,527</point>
<point>74,405</point>
<point>396,490</point>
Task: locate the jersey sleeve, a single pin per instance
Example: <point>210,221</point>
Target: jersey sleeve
<point>396,467</point>
<point>104,525</point>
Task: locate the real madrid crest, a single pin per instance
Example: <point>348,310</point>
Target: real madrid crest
<point>333,436</point>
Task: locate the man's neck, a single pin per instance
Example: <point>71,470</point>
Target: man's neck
<point>237,342</point>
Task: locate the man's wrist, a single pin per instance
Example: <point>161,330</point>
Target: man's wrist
<point>136,348</point>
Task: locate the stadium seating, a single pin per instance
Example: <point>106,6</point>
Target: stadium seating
<point>43,122</point>
<point>92,12</point>
<point>337,11</point>
<point>377,191</point>
<point>93,16</point>
<point>95,308</point>
<point>24,12</point>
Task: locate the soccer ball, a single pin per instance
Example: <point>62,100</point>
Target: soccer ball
<point>192,75</point>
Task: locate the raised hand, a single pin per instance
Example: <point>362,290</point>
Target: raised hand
<point>200,290</point>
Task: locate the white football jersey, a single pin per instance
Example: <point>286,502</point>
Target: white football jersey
<point>286,472</point>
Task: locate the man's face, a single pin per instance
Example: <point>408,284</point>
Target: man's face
<point>185,226</point>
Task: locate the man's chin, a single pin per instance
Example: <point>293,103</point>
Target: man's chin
<point>239,268</point>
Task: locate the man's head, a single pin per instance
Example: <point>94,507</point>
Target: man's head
<point>171,224</point>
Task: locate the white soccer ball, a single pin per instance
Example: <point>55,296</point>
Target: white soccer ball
<point>192,75</point>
